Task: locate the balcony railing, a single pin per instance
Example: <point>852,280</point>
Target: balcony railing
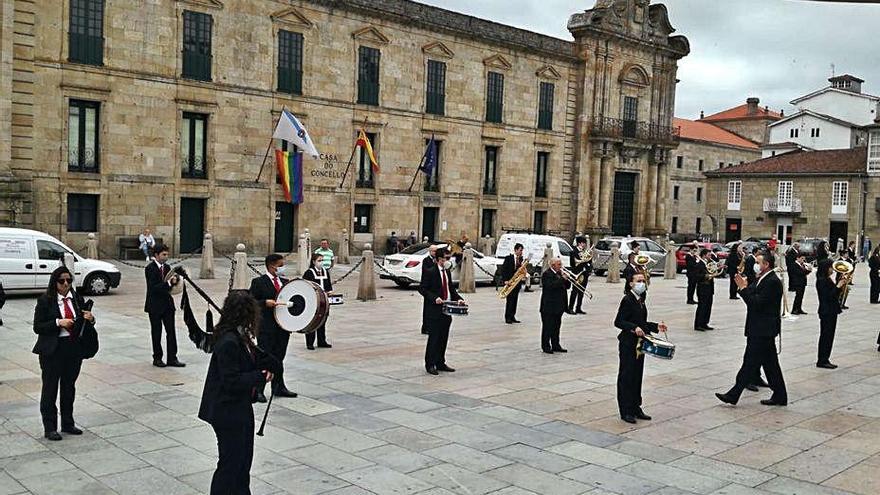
<point>773,205</point>
<point>630,129</point>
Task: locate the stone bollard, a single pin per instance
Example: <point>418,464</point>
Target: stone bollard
<point>304,254</point>
<point>367,279</point>
<point>466,278</point>
<point>613,275</point>
<point>92,247</point>
<point>670,269</point>
<point>342,255</point>
<point>206,270</point>
<point>240,278</point>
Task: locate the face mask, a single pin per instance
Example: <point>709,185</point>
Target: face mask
<point>640,288</point>
<point>280,270</point>
<point>447,265</point>
<point>757,268</point>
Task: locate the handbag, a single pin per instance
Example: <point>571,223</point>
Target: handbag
<point>88,336</point>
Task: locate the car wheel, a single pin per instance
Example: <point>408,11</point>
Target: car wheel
<point>402,284</point>
<point>97,284</point>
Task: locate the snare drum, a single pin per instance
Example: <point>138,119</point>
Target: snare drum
<point>305,309</point>
<point>658,348</point>
<point>334,299</point>
<point>453,308</point>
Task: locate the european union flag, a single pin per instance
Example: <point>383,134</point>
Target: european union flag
<point>430,158</point>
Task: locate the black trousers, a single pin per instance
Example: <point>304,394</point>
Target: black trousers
<point>320,333</point>
<point>798,300</point>
<point>510,304</point>
<point>157,320</point>
<point>733,289</point>
<point>692,287</point>
<point>875,288</point>
<point>704,310</point>
<point>274,341</point>
<point>827,327</point>
<point>550,323</point>
<point>59,368</point>
<point>760,352</point>
<point>438,337</point>
<point>629,378</point>
<point>235,445</point>
<point>576,297</point>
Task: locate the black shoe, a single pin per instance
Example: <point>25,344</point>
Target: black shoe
<point>53,435</point>
<point>734,298</point>
<point>509,322</point>
<point>548,351</point>
<point>569,312</point>
<point>158,363</point>
<point>176,364</point>
<point>325,345</point>
<point>692,302</point>
<point>752,387</point>
<point>844,307</point>
<point>310,347</point>
<point>827,366</point>
<point>707,327</point>
<point>580,312</point>
<point>283,392</point>
<point>771,402</point>
<point>73,430</point>
<point>641,415</point>
<point>445,368</point>
<point>629,418</point>
<point>762,383</point>
<point>559,349</point>
<point>699,329</point>
<point>260,397</point>
<point>424,332</point>
<point>515,320</point>
<point>726,399</point>
<point>432,370</point>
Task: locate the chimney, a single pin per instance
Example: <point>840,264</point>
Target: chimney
<point>752,105</point>
<point>702,116</point>
<point>782,112</point>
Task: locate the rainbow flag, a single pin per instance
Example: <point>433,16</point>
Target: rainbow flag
<point>290,171</point>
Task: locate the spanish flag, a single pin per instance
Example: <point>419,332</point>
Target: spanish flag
<point>290,171</point>
<point>364,143</point>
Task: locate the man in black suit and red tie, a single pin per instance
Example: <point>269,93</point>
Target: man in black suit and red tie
<point>159,305</point>
<point>436,287</point>
<point>554,302</point>
<point>427,264</point>
<point>512,263</point>
<point>272,338</point>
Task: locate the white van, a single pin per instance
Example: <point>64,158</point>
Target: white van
<point>533,247</point>
<point>28,257</point>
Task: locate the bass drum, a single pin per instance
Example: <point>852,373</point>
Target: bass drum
<point>305,307</point>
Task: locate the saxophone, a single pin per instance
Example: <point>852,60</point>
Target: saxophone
<point>518,276</point>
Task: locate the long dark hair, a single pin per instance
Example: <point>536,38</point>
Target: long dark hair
<point>315,256</point>
<point>52,289</point>
<point>823,269</point>
<point>240,310</point>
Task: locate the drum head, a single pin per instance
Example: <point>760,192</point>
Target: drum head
<point>307,307</point>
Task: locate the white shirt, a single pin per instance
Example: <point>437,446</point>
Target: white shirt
<point>64,332</point>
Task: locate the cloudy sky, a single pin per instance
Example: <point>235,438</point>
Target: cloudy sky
<point>776,50</point>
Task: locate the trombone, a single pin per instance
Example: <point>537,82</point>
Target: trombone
<point>574,281</point>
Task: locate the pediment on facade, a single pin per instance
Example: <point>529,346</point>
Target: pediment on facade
<point>211,4</point>
<point>371,35</point>
<point>497,62</point>
<point>680,44</point>
<point>292,17</point>
<point>437,49</point>
<point>658,17</point>
<point>635,75</point>
<point>548,72</point>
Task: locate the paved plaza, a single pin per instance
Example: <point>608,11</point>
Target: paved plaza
<point>510,421</point>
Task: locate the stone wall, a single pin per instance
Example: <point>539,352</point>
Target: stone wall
<point>753,129</point>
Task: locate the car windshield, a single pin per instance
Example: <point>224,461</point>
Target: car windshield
<point>420,248</point>
<point>603,246</point>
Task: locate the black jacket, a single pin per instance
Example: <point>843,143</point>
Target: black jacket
<point>262,289</point>
<point>233,375</point>
<point>159,300</point>
<point>2,296</point>
<point>791,256</point>
<point>829,297</point>
<point>508,268</point>
<point>705,283</point>
<point>764,303</point>
<point>431,287</point>
<point>325,284</point>
<point>749,269</point>
<point>45,314</point>
<point>632,313</point>
<point>732,263</point>
<point>576,266</point>
<point>797,276</point>
<point>873,265</point>
<point>690,259</point>
<point>628,272</point>
<point>554,295</point>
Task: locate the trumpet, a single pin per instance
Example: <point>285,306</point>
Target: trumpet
<point>846,270</point>
<point>573,279</point>
<point>518,276</point>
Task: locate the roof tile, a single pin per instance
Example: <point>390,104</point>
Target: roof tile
<point>742,113</point>
<point>825,162</point>
<point>701,131</point>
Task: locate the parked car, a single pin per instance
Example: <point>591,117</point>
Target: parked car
<point>406,266</point>
<point>28,257</point>
<point>721,251</point>
<point>748,245</point>
<point>533,249</point>
<point>646,246</point>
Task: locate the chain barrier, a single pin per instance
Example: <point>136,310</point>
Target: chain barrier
<point>491,275</point>
<point>185,257</point>
<point>232,260</point>
<point>349,272</point>
<point>393,277</point>
<point>103,255</point>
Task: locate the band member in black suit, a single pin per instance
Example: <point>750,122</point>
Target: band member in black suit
<point>436,287</point>
<point>59,350</point>
<point>630,269</point>
<point>829,307</point>
<point>236,372</point>
<point>159,305</point>
<point>705,292</point>
<point>2,300</point>
<point>874,274</point>
<point>797,282</point>
<point>632,320</point>
<point>690,258</point>
<point>822,251</point>
<point>511,264</point>
<point>272,338</point>
<point>749,267</point>
<point>319,275</point>
<point>763,323</point>
<point>427,264</point>
<point>791,255</point>
<point>732,267</point>
<point>554,287</point>
<point>578,267</point>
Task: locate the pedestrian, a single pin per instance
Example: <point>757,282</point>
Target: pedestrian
<point>147,243</point>
<point>159,305</point>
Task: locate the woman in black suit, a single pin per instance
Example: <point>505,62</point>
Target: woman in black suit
<point>829,308</point>
<point>822,251</point>
<point>59,350</point>
<point>874,274</point>
<point>320,276</point>
<point>236,372</point>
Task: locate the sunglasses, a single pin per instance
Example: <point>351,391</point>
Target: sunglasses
<point>65,280</point>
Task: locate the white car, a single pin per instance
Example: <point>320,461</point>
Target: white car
<point>406,266</point>
<point>28,257</point>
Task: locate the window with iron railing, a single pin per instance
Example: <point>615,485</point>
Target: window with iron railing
<point>197,45</point>
<point>82,136</point>
<point>487,226</point>
<point>432,182</point>
<point>495,97</point>
<point>545,106</point>
<point>86,35</point>
<point>490,168</point>
<point>435,95</point>
<point>194,145</point>
<point>630,116</point>
<point>368,75</point>
<point>290,62</point>
<point>365,167</point>
<point>541,174</point>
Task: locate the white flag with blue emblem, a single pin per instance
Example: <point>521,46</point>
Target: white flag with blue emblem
<point>291,130</point>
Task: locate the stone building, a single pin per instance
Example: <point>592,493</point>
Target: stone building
<point>124,114</point>
<point>749,120</point>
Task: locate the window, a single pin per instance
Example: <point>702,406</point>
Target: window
<point>48,250</point>
<point>720,164</point>
<point>545,106</point>
<point>495,97</point>
<point>540,224</point>
<point>699,194</point>
<point>363,219</point>
<point>82,136</point>
<point>783,197</point>
<point>82,213</point>
<point>698,226</point>
<point>630,116</point>
<point>489,184</point>
<point>679,162</point>
<point>86,36</point>
<point>365,168</point>
<point>793,133</point>
<point>734,195</point>
<point>674,225</point>
<point>874,151</point>
<point>675,190</point>
<point>290,62</point>
<point>814,132</point>
<point>368,75</point>
<point>541,175</point>
<point>432,183</point>
<point>488,223</point>
<point>700,165</point>
<point>194,145</point>
<point>435,98</point>
<point>839,197</point>
<point>197,45</point>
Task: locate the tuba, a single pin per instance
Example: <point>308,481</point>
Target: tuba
<point>645,263</point>
<point>845,271</point>
<point>518,276</point>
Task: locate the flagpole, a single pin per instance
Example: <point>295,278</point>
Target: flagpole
<point>351,158</point>
<point>422,161</point>
<point>271,141</point>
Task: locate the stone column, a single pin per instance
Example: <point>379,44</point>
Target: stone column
<point>671,267</point>
<point>466,275</point>
<point>342,255</point>
<point>304,254</point>
<point>308,242</point>
<point>606,197</point>
<point>367,278</point>
<point>662,190</point>
<point>613,275</point>
<point>206,270</point>
<point>651,208</point>
<point>240,278</point>
<point>92,247</point>
<point>594,202</point>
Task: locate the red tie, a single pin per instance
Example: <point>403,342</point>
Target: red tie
<point>277,285</point>
<point>445,288</point>
<point>68,315</point>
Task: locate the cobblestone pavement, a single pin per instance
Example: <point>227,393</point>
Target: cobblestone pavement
<point>510,421</point>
